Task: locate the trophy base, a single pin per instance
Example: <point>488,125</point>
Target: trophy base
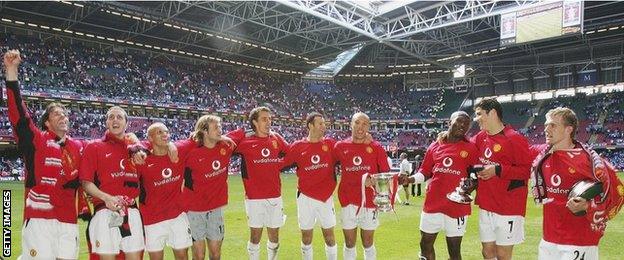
<point>384,208</point>
<point>459,198</point>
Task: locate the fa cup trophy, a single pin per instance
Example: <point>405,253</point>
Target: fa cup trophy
<point>461,194</point>
<point>385,188</point>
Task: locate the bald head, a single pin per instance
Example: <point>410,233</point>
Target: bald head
<point>360,125</point>
<point>158,134</point>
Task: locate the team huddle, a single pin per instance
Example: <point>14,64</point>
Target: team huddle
<point>149,194</point>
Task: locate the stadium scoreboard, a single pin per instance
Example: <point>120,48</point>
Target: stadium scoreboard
<point>549,20</point>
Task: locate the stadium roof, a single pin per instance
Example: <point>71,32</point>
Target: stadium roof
<point>301,35</point>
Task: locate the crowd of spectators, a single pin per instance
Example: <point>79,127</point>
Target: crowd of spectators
<point>52,66</point>
<point>11,169</point>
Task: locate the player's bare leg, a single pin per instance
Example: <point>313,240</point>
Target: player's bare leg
<point>407,194</point>
<point>306,236</point>
<point>199,250</point>
<point>349,251</point>
<point>489,250</point>
<point>328,234</point>
<point>272,243</point>
<point>107,257</point>
<point>504,252</point>
<point>214,249</point>
<point>368,243</point>
<point>306,243</point>
<point>453,245</point>
<point>134,255</point>
<point>157,255</point>
<point>180,254</point>
<point>253,247</point>
<point>330,243</point>
<point>426,245</point>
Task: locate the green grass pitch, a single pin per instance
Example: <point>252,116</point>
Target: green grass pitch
<point>396,238</point>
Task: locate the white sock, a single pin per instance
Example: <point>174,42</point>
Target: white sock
<point>370,253</point>
<point>331,252</point>
<point>349,253</point>
<point>306,251</point>
<point>272,250</point>
<point>253,250</point>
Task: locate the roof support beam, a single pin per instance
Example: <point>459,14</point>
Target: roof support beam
<point>351,20</point>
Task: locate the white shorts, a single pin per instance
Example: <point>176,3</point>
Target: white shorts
<point>504,230</point>
<point>175,233</point>
<point>309,210</point>
<point>366,219</point>
<point>548,251</point>
<point>265,213</point>
<point>107,240</point>
<point>433,223</point>
<point>49,239</point>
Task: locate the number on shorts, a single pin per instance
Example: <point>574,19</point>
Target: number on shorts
<point>461,221</point>
<point>510,226</point>
<point>578,255</point>
<point>374,215</point>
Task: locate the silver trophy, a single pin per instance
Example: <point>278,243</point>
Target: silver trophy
<point>461,194</point>
<point>384,189</point>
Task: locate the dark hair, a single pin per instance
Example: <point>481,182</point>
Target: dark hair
<point>488,104</point>
<point>311,116</point>
<point>255,113</point>
<point>46,114</point>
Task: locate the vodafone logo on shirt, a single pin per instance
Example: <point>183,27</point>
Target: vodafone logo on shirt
<point>265,152</point>
<point>447,162</point>
<point>166,173</point>
<point>315,159</point>
<point>555,180</point>
<point>216,165</point>
<point>487,153</point>
<point>357,160</point>
<point>123,172</point>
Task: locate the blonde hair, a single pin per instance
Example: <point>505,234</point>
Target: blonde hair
<point>359,114</point>
<point>153,127</point>
<point>201,125</point>
<point>568,116</point>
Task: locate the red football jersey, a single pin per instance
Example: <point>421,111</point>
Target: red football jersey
<point>561,171</point>
<point>315,167</point>
<point>446,164</point>
<point>105,163</point>
<point>355,161</point>
<point>51,166</point>
<point>205,175</point>
<point>505,193</point>
<point>261,163</point>
<point>160,189</point>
